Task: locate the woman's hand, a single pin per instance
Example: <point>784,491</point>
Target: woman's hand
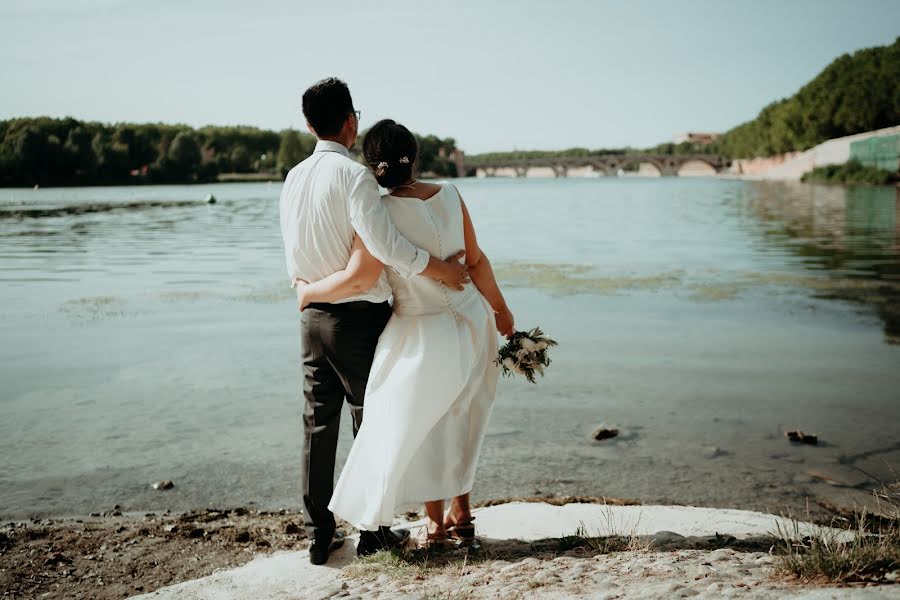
<point>300,288</point>
<point>505,322</point>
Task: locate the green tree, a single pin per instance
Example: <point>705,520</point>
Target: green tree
<point>79,154</point>
<point>183,155</point>
<point>30,151</point>
<point>240,159</point>
<point>291,151</point>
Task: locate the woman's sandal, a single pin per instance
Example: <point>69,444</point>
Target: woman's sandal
<point>464,532</point>
<point>434,541</point>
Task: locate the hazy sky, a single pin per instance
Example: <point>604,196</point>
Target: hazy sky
<point>494,75</point>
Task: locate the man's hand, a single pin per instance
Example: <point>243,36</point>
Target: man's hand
<point>451,272</point>
<point>506,323</point>
<point>302,300</point>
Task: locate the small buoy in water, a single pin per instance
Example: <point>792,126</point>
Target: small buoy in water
<point>210,199</point>
<point>36,187</point>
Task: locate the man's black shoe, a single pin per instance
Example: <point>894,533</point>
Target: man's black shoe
<point>319,550</point>
<point>385,538</point>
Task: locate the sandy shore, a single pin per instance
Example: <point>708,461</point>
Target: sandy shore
<point>529,550</point>
<point>536,550</point>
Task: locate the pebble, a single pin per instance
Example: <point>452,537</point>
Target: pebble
<point>705,572</point>
<point>664,538</point>
<point>574,573</point>
<point>606,585</point>
<point>721,554</point>
<point>604,433</point>
<point>714,452</point>
<point>291,529</point>
<point>242,537</point>
<point>547,578</point>
<point>325,592</point>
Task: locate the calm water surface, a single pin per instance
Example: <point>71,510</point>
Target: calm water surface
<point>701,317</point>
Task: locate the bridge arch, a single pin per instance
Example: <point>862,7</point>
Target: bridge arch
<point>649,168</point>
<point>696,167</point>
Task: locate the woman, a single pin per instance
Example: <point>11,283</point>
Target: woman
<point>433,379</point>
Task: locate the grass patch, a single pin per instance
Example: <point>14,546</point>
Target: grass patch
<point>601,545</point>
<point>392,564</point>
<point>864,548</point>
<point>825,557</point>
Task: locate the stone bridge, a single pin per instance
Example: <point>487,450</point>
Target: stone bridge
<point>668,165</point>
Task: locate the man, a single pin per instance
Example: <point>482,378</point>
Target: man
<point>328,199</point>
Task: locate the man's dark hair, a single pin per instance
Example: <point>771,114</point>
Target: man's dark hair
<point>326,105</point>
<point>391,151</point>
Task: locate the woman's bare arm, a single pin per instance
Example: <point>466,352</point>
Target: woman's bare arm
<point>360,274</point>
<point>483,277</point>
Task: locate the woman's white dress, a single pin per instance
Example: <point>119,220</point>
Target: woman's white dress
<point>432,383</point>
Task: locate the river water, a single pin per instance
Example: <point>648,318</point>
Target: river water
<point>701,317</point>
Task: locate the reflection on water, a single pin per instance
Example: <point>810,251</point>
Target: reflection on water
<point>853,233</point>
<point>703,317</point>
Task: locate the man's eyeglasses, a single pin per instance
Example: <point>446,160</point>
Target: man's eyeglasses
<point>358,114</point>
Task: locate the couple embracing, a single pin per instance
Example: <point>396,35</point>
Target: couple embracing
<point>422,366</point>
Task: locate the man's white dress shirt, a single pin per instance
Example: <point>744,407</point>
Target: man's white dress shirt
<point>325,199</point>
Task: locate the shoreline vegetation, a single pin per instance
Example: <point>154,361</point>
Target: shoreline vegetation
<point>856,93</point>
<point>851,172</point>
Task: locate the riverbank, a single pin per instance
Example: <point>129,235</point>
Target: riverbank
<point>119,555</point>
<point>566,547</point>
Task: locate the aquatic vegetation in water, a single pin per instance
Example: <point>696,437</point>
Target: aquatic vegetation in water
<point>577,279</point>
<point>272,293</point>
<point>715,292</point>
<point>94,307</point>
<point>708,286</point>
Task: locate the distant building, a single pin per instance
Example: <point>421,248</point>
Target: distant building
<point>696,137</point>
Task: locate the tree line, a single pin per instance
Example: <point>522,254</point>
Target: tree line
<point>49,151</point>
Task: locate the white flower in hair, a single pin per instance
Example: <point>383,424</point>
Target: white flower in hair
<point>404,160</point>
<point>382,167</point>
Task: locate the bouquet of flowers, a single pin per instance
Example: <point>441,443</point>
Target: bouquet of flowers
<point>526,354</point>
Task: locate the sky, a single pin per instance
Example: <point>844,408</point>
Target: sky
<point>494,75</point>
